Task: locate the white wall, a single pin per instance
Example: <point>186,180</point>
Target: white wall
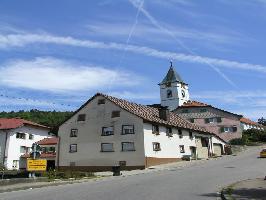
<point>169,145</point>
<point>177,99</point>
<point>13,143</point>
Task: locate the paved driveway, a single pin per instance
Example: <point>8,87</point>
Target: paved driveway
<point>199,182</point>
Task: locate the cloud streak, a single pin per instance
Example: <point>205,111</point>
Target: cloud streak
<point>55,75</point>
<point>21,40</point>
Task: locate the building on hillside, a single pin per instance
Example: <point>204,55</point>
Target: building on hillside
<point>249,124</point>
<point>48,152</point>
<point>107,131</point>
<point>16,138</point>
<point>223,123</point>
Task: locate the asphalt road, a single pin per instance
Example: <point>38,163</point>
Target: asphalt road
<point>200,181</point>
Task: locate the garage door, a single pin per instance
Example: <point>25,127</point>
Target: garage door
<point>217,149</point>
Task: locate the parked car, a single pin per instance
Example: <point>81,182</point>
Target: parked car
<point>263,153</point>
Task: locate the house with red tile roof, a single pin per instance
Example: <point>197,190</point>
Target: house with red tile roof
<point>107,131</point>
<point>223,123</point>
<point>249,124</point>
<point>48,152</point>
<point>16,138</point>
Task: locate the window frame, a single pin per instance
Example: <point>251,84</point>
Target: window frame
<point>71,150</point>
<point>155,130</point>
<point>31,136</point>
<point>180,133</point>
<point>156,146</point>
<point>123,126</point>
<point>182,148</point>
<point>101,101</point>
<point>169,93</point>
<point>79,116</point>
<point>19,133</point>
<point>107,143</point>
<point>73,135</point>
<point>115,113</point>
<point>169,131</point>
<point>105,127</point>
<point>122,143</point>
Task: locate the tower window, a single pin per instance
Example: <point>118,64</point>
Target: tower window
<point>169,93</point>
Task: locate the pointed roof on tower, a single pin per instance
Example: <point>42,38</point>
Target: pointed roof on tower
<point>172,76</point>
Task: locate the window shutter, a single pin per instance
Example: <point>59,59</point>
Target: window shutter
<point>207,121</point>
<point>219,119</point>
<point>234,129</point>
<point>222,129</point>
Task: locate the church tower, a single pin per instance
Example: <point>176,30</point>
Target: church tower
<point>173,90</point>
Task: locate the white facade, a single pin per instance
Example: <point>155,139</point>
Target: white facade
<point>15,147</point>
<point>88,154</point>
<point>179,94</point>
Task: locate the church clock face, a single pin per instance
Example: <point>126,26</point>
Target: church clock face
<point>183,93</point>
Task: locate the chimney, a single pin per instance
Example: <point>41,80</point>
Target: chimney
<point>164,113</point>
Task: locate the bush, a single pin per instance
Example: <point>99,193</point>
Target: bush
<point>237,141</point>
<point>53,174</point>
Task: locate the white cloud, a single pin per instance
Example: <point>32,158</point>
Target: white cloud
<point>21,40</point>
<point>51,74</point>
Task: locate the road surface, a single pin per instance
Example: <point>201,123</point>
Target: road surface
<point>196,182</point>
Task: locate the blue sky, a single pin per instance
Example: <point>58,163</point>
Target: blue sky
<point>57,54</point>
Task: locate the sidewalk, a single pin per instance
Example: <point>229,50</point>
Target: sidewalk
<point>254,189</point>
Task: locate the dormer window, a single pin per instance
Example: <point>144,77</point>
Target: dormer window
<point>169,93</point>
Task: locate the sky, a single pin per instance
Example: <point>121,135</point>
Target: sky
<point>55,55</point>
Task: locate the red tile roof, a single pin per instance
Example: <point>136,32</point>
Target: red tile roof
<point>48,141</point>
<point>6,123</point>
<point>43,155</point>
<point>194,104</point>
<point>150,114</point>
<point>191,103</point>
<point>248,121</point>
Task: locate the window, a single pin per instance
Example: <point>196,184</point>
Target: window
<point>155,129</point>
<point>156,146</point>
<point>169,132</point>
<point>31,136</point>
<point>228,129</point>
<point>128,146</point>
<point>185,111</point>
<point>192,120</point>
<point>107,131</point>
<point>21,135</point>
<point>182,148</point>
<point>169,93</point>
<point>107,147</point>
<point>15,164</point>
<point>127,129</point>
<point>190,135</point>
<point>23,149</point>
<point>202,110</point>
<point>72,148</point>
<point>115,114</point>
<point>180,133</point>
<point>101,101</point>
<point>204,142</point>
<point>81,117</point>
<point>74,133</point>
<point>213,120</point>
<point>51,149</point>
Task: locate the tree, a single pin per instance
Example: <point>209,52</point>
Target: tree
<point>262,121</point>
